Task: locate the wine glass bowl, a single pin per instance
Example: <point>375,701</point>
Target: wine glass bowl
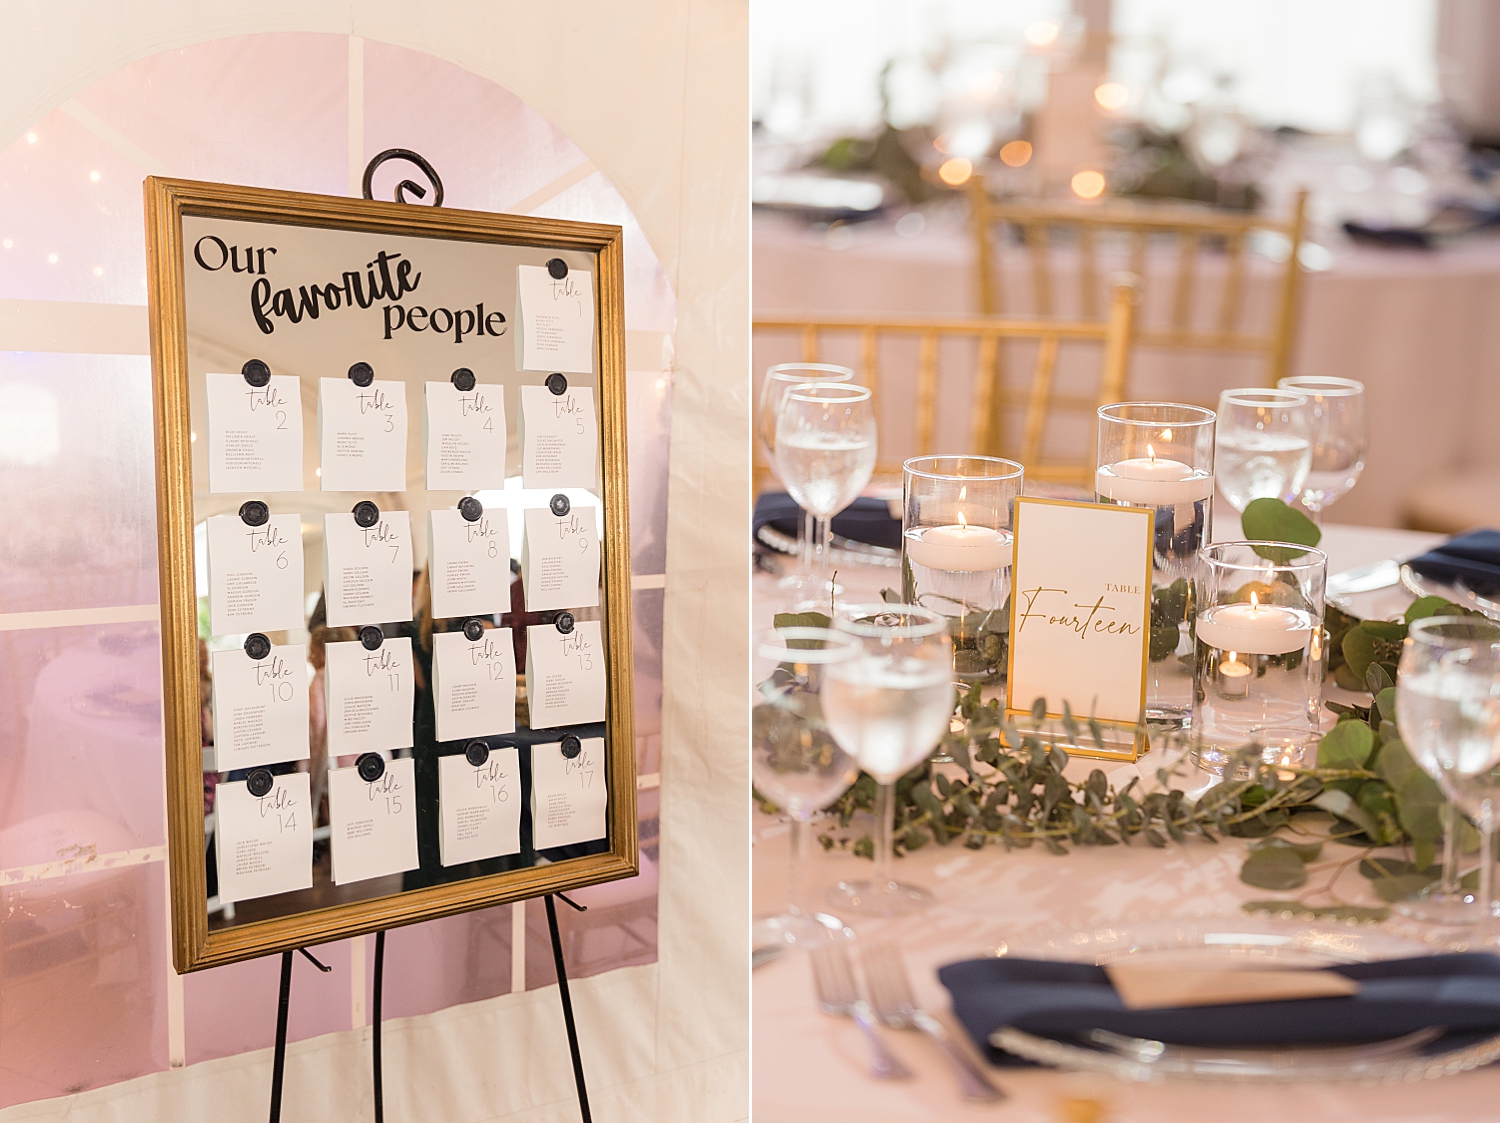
<point>1340,437</point>
<point>794,762</point>
<point>1264,445</point>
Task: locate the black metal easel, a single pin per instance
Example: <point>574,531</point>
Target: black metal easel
<point>283,1005</point>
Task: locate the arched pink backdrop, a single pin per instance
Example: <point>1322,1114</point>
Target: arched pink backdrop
<point>86,992</point>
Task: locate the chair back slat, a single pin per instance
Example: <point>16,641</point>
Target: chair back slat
<point>989,399</point>
<point>1190,228</point>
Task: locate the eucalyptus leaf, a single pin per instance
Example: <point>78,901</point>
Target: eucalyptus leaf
<point>1377,678</point>
<point>1274,868</point>
<point>1423,607</point>
<point>1342,804</point>
<point>1271,520</point>
<point>1420,804</point>
<point>1307,851</point>
<point>1039,710</point>
<point>1347,745</point>
<point>1401,886</point>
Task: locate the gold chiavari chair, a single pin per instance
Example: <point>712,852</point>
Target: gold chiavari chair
<point>989,397</point>
<point>1193,231</point>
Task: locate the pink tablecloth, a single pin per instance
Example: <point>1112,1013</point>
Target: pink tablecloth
<point>809,1066</point>
<point>1421,330</point>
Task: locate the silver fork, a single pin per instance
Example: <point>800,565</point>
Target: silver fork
<point>890,991</point>
<point>837,994</point>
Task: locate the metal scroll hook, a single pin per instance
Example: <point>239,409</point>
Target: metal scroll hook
<point>405,185</point>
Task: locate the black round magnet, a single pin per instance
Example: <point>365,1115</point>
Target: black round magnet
<point>560,505</point>
<point>571,746</point>
<point>557,383</point>
<point>476,752</point>
<point>256,373</point>
<point>473,629</point>
<point>558,268</point>
<point>372,637</point>
<point>371,767</point>
<point>463,379</point>
<point>254,512</point>
<point>362,374</point>
<point>470,508</point>
<point>564,622</point>
<point>260,782</point>
<point>257,646</point>
<point>366,514</point>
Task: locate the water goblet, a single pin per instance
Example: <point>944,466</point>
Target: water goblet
<point>890,707</point>
<point>794,762</point>
<point>773,390</point>
<point>1448,711</point>
<point>1264,445</point>
<point>1340,437</point>
<point>825,454</point>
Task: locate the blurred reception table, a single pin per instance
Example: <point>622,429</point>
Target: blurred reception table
<point>809,1066</point>
<point>1420,329</point>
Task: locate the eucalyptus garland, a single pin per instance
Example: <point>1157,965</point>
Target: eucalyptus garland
<point>1007,786</point>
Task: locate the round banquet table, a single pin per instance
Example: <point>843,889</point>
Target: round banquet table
<point>1420,329</point>
<point>810,1068</point>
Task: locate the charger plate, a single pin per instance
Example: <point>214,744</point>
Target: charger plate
<point>1257,941</point>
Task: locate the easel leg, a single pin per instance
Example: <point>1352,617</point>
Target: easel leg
<point>375,1040</point>
<point>278,1064</point>
<point>567,1005</point>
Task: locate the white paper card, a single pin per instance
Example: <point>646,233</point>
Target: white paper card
<point>474,684</point>
<point>254,434</point>
<point>1081,608</point>
<point>373,826</point>
<point>463,437</point>
<point>565,682</point>
<point>480,807</point>
<point>470,564</point>
<point>361,435</point>
<point>260,707</point>
<point>557,320</point>
<point>370,697</point>
<point>559,437</point>
<point>254,575</point>
<point>367,570</point>
<point>560,559</point>
<point>568,797</point>
<point>264,844</point>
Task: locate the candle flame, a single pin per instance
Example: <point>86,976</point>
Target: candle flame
<point>962,522</point>
<point>1151,452</point>
<point>1254,603</point>
<point>1233,657</point>
<point>1166,435</point>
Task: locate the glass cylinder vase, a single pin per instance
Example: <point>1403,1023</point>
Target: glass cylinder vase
<point>956,553</point>
<point>1259,647</point>
<point>1160,455</point>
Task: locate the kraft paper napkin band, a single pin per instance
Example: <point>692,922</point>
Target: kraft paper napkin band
<point>1150,987</point>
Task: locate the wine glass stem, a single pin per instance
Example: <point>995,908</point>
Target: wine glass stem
<point>825,555</point>
<point>796,890</point>
<point>885,812</point>
<point>807,544</point>
<point>1486,872</point>
<point>1449,886</point>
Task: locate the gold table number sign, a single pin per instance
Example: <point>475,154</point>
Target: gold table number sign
<point>1080,627</point>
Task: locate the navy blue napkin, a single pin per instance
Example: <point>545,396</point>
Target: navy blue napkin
<point>1473,558</point>
<point>1066,1000</point>
<point>865,520</point>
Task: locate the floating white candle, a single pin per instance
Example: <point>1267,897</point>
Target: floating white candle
<point>1255,628</point>
<point>959,547</point>
<point>1149,481</point>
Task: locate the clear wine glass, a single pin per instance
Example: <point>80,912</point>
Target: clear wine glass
<point>1264,445</point>
<point>793,760</point>
<point>1448,711</point>
<point>773,391</point>
<point>1340,437</point>
<point>890,707</point>
<point>825,454</point>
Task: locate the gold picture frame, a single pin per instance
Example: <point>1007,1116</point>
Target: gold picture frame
<point>167,203</point>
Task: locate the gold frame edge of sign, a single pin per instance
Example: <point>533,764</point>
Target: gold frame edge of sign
<point>167,201</point>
